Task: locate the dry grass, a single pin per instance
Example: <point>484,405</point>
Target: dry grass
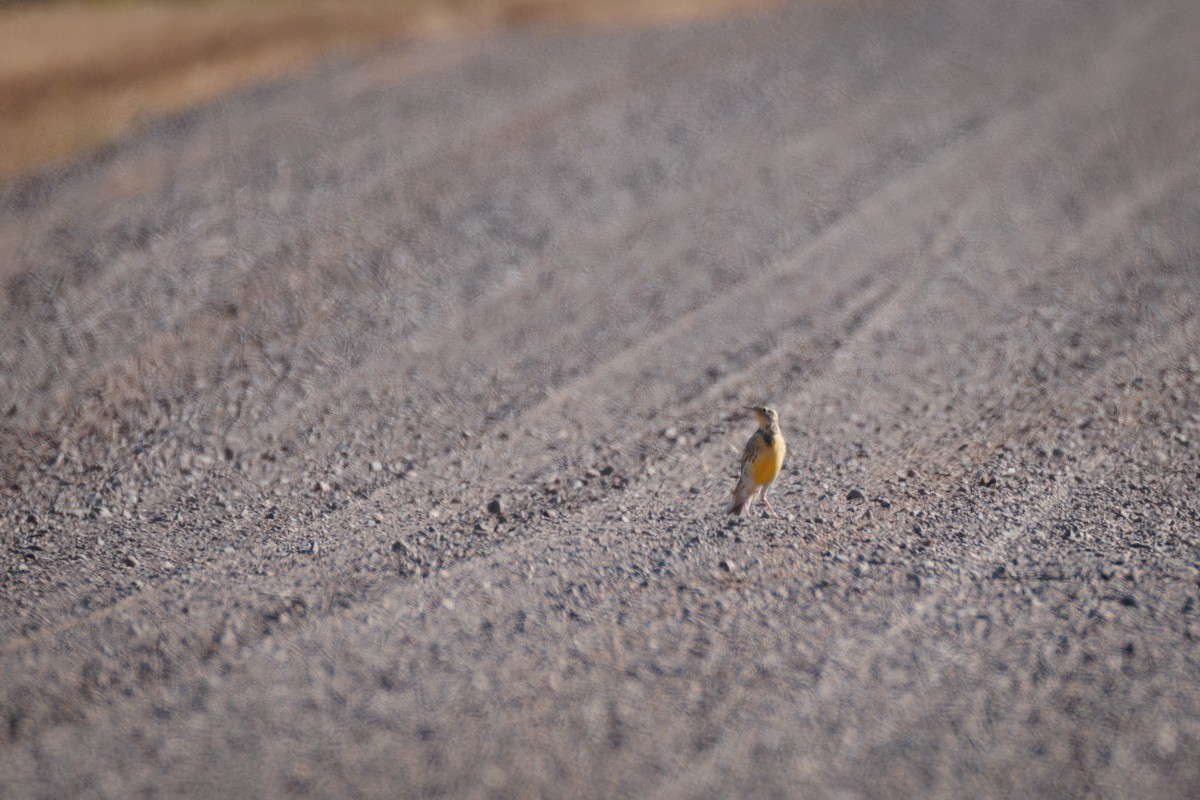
<point>76,74</point>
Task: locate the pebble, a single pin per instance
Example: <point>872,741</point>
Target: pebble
<point>855,494</point>
<point>1167,740</point>
<point>496,506</point>
<point>376,466</point>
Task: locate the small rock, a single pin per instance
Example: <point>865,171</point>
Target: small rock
<point>728,565</point>
<point>1167,740</point>
<point>884,502</point>
<point>671,434</point>
<point>324,487</point>
<point>855,494</point>
<point>496,506</point>
<point>132,561</point>
<point>376,466</point>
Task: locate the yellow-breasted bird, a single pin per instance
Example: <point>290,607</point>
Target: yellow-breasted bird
<point>761,461</point>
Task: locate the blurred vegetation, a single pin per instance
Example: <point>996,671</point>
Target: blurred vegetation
<point>77,73</point>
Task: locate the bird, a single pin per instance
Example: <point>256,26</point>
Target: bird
<point>761,461</point>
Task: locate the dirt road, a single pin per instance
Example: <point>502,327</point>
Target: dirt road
<point>368,434</point>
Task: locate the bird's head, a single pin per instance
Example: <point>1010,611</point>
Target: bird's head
<point>765,415</point>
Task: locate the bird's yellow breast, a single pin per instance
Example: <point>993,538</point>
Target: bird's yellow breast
<point>767,462</point>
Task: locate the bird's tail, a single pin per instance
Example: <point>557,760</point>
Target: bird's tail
<point>742,497</point>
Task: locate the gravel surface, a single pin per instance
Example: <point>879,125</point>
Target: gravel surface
<point>368,434</point>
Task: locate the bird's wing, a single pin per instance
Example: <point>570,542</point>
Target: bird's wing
<point>750,454</point>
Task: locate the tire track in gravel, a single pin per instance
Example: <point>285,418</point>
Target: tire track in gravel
<point>685,329</point>
<point>445,664</point>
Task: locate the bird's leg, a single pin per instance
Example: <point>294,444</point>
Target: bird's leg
<point>769,506</point>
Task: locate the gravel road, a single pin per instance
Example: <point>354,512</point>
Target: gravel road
<point>369,433</point>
